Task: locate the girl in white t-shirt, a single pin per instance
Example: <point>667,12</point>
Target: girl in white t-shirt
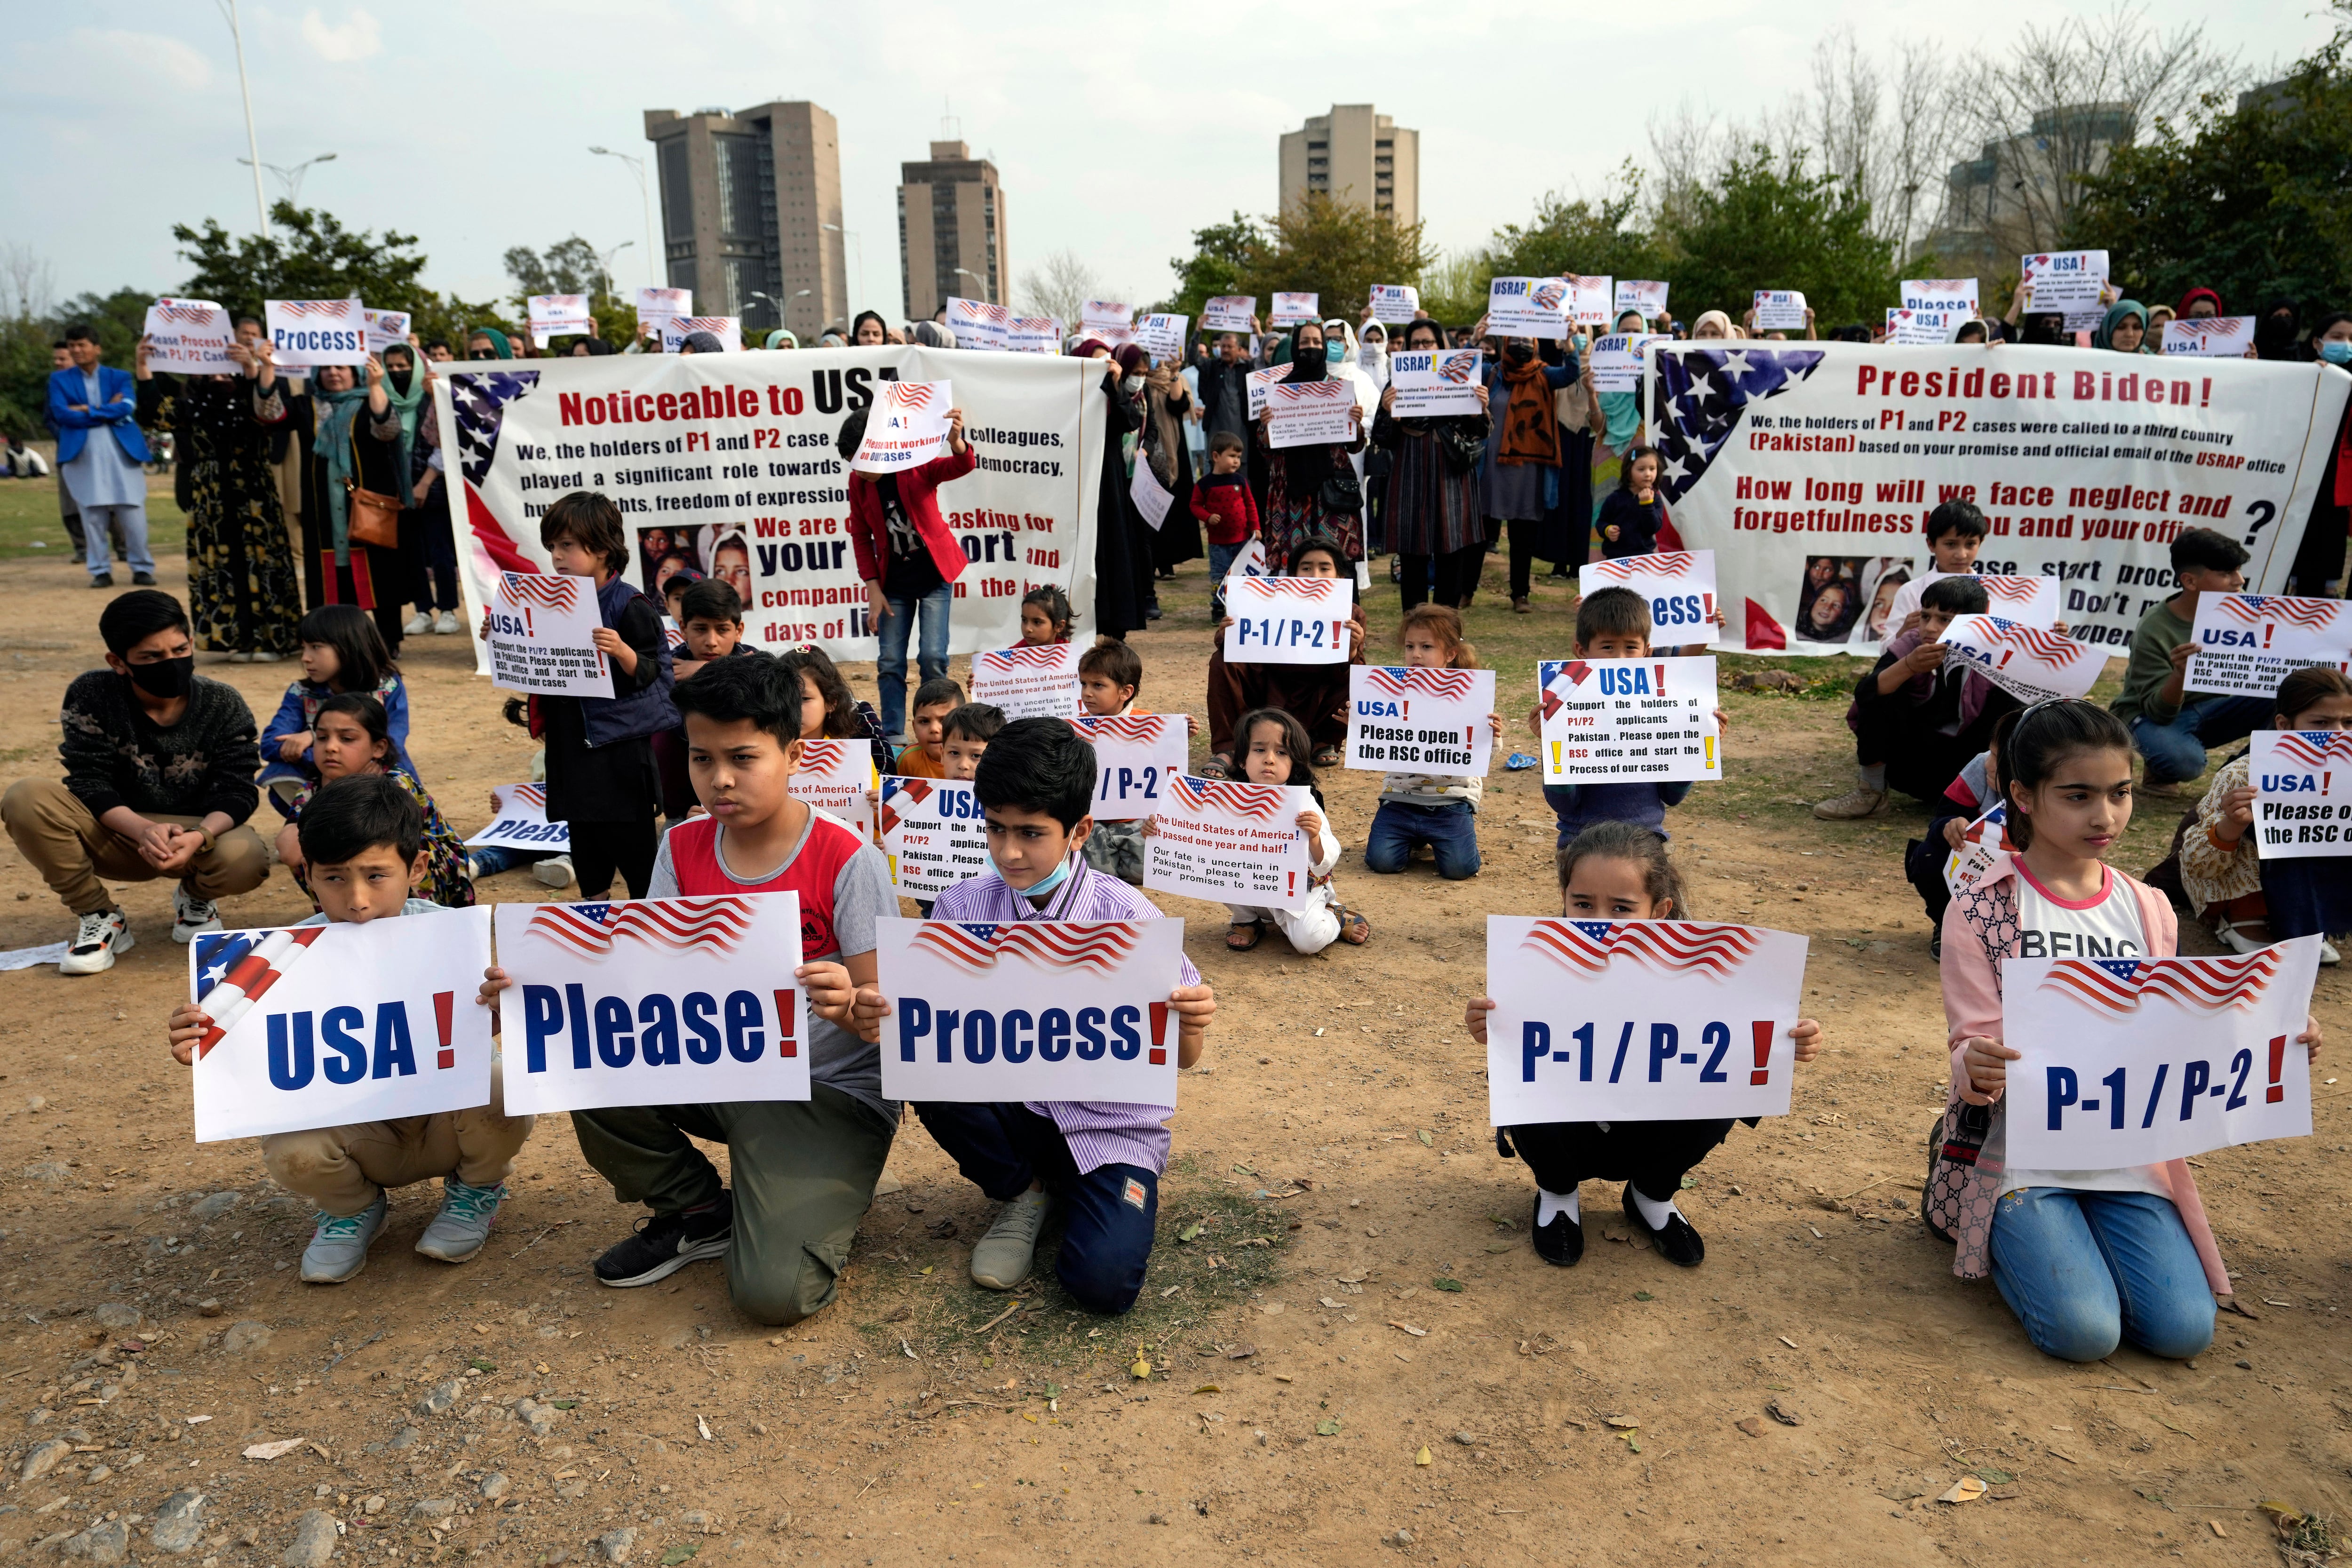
<point>2086,1259</point>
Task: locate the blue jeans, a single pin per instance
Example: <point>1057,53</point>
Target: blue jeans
<point>1221,561</point>
<point>1400,828</point>
<point>2085,1271</point>
<point>1108,1211</point>
<point>931,655</point>
<point>2176,751</point>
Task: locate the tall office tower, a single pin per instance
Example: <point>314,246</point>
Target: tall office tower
<point>951,231</point>
<point>1357,156</point>
<point>750,205</point>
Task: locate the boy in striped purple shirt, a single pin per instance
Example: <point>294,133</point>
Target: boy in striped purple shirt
<point>1100,1163</point>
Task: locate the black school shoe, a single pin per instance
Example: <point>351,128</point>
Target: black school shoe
<point>1561,1243</point>
<point>665,1243</point>
<point>1675,1242</point>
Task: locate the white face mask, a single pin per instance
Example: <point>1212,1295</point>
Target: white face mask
<point>1131,384</point>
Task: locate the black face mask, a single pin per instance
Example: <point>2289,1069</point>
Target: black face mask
<point>1518,354</point>
<point>166,676</point>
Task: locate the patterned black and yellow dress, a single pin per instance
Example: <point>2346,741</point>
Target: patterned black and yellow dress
<point>243,594</point>
<point>446,881</point>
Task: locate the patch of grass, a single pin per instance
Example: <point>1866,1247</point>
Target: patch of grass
<point>28,512</point>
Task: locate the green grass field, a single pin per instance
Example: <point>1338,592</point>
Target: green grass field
<point>29,525</point>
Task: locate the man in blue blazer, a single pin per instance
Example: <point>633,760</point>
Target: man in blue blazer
<point>101,456</point>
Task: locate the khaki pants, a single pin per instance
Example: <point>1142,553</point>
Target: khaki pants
<point>72,849</point>
<point>340,1169</point>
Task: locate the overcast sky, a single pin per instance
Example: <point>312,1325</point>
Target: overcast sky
<point>1118,129</point>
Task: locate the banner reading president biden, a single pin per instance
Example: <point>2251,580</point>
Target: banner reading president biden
<point>727,463</point>
<point>1810,468</point>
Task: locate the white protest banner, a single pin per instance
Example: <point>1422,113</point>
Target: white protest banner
<point>652,1002</point>
<point>1288,620</point>
<point>1779,311</point>
<point>1311,413</point>
<point>1230,313</point>
<point>1618,362</point>
<point>1289,309</point>
<point>728,330</point>
<point>1135,756</point>
<point>2301,812</point>
<point>2135,1061</point>
<point>1449,735</point>
<point>359,1023</point>
<point>1258,380</point>
<point>1528,306</point>
<point>387,329</point>
<point>1161,335</point>
<point>1920,328</point>
<point>2211,337</point>
<point>729,460</point>
<point>1958,295</point>
<point>966,1023</point>
<point>1037,680</point>
<point>189,337</point>
<point>1394,303</point>
<point>977,324</point>
<point>1034,335</point>
<point>2031,663</point>
<point>2031,601</point>
<point>1810,468</point>
<point>837,777</point>
<point>932,833</point>
<point>559,315</point>
<point>1249,563</point>
<point>1639,1020</point>
<point>2248,642</point>
<point>1611,720</point>
<point>1981,842</point>
<point>1589,299</point>
<point>906,427</point>
<point>1678,584</point>
<point>305,334</point>
<point>1112,321</point>
<point>1638,294</point>
<point>1435,382</point>
<point>519,821</point>
<point>1230,843</point>
<point>1151,498</point>
<point>542,628</point>
<point>656,306</point>
<point>2066,281</point>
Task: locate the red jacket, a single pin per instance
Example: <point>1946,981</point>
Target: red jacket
<point>1229,511</point>
<point>917,491</point>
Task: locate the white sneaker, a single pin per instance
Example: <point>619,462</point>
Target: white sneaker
<point>96,941</point>
<point>1000,1258</point>
<point>447,626</point>
<point>2327,953</point>
<point>555,871</point>
<point>191,914</point>
<point>262,657</point>
<point>418,624</point>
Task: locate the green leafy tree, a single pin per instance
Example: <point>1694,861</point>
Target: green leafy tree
<point>1766,221</point>
<point>1335,249</point>
<point>310,255</point>
<point>569,266</point>
<point>1219,253</point>
<point>24,341</point>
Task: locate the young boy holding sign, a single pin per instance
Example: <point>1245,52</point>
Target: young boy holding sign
<point>1101,1163</point>
<point>1613,623</point>
<point>1918,718</point>
<point>363,841</point>
<point>2087,1259</point>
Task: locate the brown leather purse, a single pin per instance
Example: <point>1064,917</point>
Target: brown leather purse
<point>370,518</point>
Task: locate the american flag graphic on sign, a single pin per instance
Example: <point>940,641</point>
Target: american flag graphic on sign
<point>1012,660</point>
<point>1259,801</point>
<point>2256,608</point>
<point>311,307</point>
<point>2116,985</point>
<point>1099,945</point>
<point>2316,748</point>
<point>552,589</point>
<point>2021,589</point>
<point>908,394</point>
<point>480,401</point>
<point>1678,947</point>
<point>1547,296</point>
<point>2055,648</point>
<point>235,969</point>
<point>1401,681</point>
<point>591,929</point>
<point>1308,588</point>
<point>1702,393</point>
<point>683,324</point>
<point>1138,728</point>
<point>824,756</point>
<point>194,315</point>
<point>1458,366</point>
<point>529,795</point>
<point>1660,563</point>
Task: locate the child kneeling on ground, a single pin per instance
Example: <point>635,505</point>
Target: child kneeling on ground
<point>1273,746</point>
<point>1440,810</point>
<point>363,841</point>
<point>1619,871</point>
<point>1101,1163</point>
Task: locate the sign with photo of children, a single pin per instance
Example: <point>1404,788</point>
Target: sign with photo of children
<point>1847,598</point>
<point>1620,719</point>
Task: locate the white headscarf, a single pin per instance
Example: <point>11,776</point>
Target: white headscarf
<point>1368,395</point>
<point>1375,361</point>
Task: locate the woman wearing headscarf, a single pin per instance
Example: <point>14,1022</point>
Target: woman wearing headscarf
<point>1311,490</point>
<point>1168,415</point>
<point>1119,607</point>
<point>487,343</point>
<point>2123,329</point>
<point>2199,303</point>
<point>869,330</point>
<point>1372,354</point>
<point>409,396</point>
<point>243,597</point>
<point>1712,324</point>
<point>1431,508</point>
<point>1519,482</point>
<point>1616,420</point>
<point>2278,330</point>
<point>354,436</point>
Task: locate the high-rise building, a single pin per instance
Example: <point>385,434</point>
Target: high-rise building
<point>951,231</point>
<point>750,204</point>
<point>1357,156</point>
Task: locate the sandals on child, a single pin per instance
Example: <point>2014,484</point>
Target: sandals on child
<point>1328,757</point>
<point>1243,935</point>
<point>1354,929</point>
<point>1216,767</point>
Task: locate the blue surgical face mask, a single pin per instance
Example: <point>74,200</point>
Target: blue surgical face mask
<point>2336,351</point>
<point>1061,875</point>
<point>1335,352</point>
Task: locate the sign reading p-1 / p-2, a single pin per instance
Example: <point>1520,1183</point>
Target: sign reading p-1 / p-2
<point>1136,756</point>
<point>1639,1020</point>
<point>1288,620</point>
<point>652,1002</point>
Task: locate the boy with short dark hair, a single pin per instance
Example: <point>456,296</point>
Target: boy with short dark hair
<point>934,700</point>
<point>158,765</point>
<point>1917,718</point>
<point>1956,531</point>
<point>1102,1163</point>
<point>964,736</point>
<point>2171,726</point>
<point>1613,623</point>
<point>364,840</point>
<point>710,616</point>
<point>804,1171</point>
<point>1109,675</point>
<point>1221,499</point>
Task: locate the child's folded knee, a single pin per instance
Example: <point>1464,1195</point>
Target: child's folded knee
<point>2085,1335</point>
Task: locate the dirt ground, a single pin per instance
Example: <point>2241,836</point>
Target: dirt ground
<point>1354,1354</point>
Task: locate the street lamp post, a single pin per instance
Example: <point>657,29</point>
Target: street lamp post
<point>605,265</point>
<point>252,146</point>
<point>644,198</point>
<point>968,272</point>
<point>851,235</point>
<point>290,178</point>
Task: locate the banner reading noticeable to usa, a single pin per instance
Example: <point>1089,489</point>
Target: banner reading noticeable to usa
<point>1810,470</point>
<point>727,463</point>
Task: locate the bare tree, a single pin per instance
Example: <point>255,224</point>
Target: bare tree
<point>27,284</point>
<point>1886,130</point>
<point>1059,287</point>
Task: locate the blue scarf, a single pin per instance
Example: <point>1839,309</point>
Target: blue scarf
<point>340,411</point>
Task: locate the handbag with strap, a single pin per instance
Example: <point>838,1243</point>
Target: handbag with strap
<point>368,518</point>
<point>1341,493</point>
